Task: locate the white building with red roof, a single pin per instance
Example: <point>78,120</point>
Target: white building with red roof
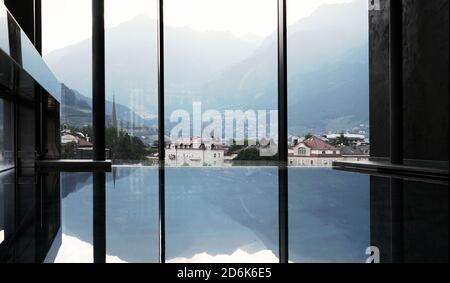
<point>314,152</point>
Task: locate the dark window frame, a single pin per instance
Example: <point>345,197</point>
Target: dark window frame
<point>282,130</point>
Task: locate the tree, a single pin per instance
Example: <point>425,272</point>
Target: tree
<point>124,147</point>
<point>252,154</point>
<point>341,140</point>
<point>234,148</point>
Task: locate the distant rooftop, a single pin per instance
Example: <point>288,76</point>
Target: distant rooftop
<point>316,143</point>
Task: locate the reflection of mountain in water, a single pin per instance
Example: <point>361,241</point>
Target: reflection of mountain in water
<point>131,207</point>
<point>219,211</point>
<point>73,182</point>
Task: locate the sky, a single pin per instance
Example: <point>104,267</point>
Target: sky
<point>240,17</point>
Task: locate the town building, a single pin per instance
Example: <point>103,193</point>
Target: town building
<point>195,152</point>
<point>69,136</point>
<point>313,152</point>
<point>355,153</point>
<point>84,147</point>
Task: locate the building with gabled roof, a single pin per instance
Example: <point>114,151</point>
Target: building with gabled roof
<point>314,152</point>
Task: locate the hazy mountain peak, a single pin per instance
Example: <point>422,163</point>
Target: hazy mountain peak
<point>224,69</point>
<point>192,58</point>
<point>337,16</point>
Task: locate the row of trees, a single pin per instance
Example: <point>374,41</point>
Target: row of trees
<point>253,154</point>
<point>123,147</point>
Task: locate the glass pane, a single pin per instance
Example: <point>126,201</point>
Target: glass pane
<point>328,81</point>
<point>329,216</point>
<point>32,63</point>
<point>220,81</point>
<point>6,134</point>
<point>131,81</point>
<point>132,222</point>
<point>222,215</point>
<point>69,56</point>
<point>74,242</point>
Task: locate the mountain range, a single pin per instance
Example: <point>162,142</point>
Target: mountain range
<point>327,69</point>
<point>76,111</point>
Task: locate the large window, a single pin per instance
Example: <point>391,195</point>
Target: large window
<point>220,81</point>
<point>67,50</point>
<point>131,81</point>
<point>328,77</point>
<point>328,113</point>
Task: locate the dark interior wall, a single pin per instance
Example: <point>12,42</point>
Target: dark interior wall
<point>426,71</point>
<point>381,217</point>
<point>426,74</point>
<point>409,220</point>
<point>379,80</point>
<point>423,219</point>
<point>426,225</point>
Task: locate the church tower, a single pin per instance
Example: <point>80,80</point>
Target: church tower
<point>114,114</point>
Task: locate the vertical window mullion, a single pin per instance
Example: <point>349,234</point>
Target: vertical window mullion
<point>282,135</point>
<point>161,138</point>
<point>282,82</point>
